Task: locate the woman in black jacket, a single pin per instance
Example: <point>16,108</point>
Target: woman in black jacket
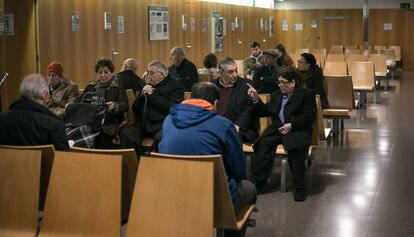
<point>312,77</point>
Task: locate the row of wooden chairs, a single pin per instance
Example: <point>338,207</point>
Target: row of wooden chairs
<point>90,190</point>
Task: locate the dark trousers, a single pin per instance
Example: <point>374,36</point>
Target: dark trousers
<point>262,165</point>
<point>104,141</point>
<point>132,137</point>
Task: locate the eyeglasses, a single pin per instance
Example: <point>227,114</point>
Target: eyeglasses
<point>282,83</point>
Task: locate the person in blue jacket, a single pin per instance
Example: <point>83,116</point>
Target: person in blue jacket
<point>194,128</point>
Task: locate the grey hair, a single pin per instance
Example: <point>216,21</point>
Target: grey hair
<point>33,87</point>
<point>224,62</point>
<point>160,66</point>
<point>178,51</point>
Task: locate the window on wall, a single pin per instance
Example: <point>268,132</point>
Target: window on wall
<point>251,3</point>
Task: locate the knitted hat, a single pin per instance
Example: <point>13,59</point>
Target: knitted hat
<point>55,67</point>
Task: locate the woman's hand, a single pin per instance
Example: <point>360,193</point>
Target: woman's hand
<point>109,105</point>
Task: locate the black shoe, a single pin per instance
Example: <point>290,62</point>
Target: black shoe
<point>300,195</point>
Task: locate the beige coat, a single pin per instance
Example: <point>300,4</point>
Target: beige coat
<point>67,92</point>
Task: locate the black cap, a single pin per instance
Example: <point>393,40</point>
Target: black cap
<point>254,44</point>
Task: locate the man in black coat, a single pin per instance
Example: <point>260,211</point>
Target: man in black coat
<point>293,111</point>
<point>151,106</point>
<point>182,70</point>
<point>28,121</point>
<point>234,103</point>
<point>127,76</point>
<point>264,79</point>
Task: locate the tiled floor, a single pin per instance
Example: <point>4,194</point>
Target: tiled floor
<point>360,184</point>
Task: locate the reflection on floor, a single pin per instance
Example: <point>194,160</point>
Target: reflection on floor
<point>360,184</point>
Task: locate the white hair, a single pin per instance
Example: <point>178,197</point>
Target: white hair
<point>160,66</point>
<point>33,87</point>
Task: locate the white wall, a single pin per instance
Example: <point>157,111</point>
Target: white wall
<point>340,4</point>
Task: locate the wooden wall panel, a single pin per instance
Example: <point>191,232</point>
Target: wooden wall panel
<point>3,66</point>
<point>20,47</point>
<point>408,48</point>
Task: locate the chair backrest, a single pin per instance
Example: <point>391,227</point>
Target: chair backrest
<point>389,57</point>
<point>340,94</point>
<point>320,60</point>
<point>397,50</point>
<point>356,58</point>
<point>240,67</point>
<point>351,47</point>
<point>224,216</point>
<point>378,47</point>
<point>335,57</point>
<point>19,191</point>
<point>84,197</point>
<point>205,77</point>
<point>131,98</point>
<point>319,51</point>
<point>336,49</point>
<point>81,90</point>
<point>129,172</point>
<point>172,198</point>
<point>380,64</point>
<point>264,121</point>
<point>48,154</point>
<point>335,69</point>
<point>317,126</point>
<point>351,51</point>
<point>187,95</point>
<point>298,52</point>
<point>362,75</point>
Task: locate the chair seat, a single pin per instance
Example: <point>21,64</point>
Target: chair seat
<point>380,74</point>
<point>363,88</point>
<point>247,148</point>
<point>335,113</point>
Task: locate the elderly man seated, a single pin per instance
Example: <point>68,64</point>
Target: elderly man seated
<point>293,110</point>
<point>28,121</point>
<point>235,104</point>
<point>151,106</point>
<point>182,70</point>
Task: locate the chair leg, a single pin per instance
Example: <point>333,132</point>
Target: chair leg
<point>283,169</point>
<point>342,124</point>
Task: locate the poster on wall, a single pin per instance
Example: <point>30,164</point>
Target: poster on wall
<point>8,24</point>
<point>75,21</point>
<point>314,24</point>
<point>285,25</point>
<point>203,24</point>
<point>1,21</point>
<point>298,26</point>
<point>217,29</point>
<point>271,26</point>
<point>158,25</point>
<point>107,20</point>
<point>387,26</point>
<point>192,24</point>
<point>121,24</point>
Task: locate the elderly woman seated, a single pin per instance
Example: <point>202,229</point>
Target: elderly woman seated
<point>106,90</point>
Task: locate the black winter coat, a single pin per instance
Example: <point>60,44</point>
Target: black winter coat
<point>186,74</point>
<point>265,79</point>
<point>29,123</point>
<point>167,93</point>
<point>129,80</point>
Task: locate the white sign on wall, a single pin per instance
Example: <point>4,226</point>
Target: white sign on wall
<point>285,25</point>
<point>8,24</point>
<point>158,25</point>
<point>107,20</point>
<point>387,26</point>
<point>75,19</point>
<point>298,26</point>
<point>121,24</point>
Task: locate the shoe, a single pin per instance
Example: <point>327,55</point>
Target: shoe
<point>300,195</point>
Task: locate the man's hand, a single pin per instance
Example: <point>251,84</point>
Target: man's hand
<point>285,128</point>
<point>237,127</point>
<point>147,90</point>
<point>253,93</point>
<point>110,105</point>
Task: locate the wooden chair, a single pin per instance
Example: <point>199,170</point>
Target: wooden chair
<point>131,97</point>
<point>340,99</point>
<point>320,59</point>
<point>187,95</point>
<point>336,49</point>
<point>205,77</point>
<point>351,47</point>
<point>355,58</point>
<point>172,198</point>
<point>335,57</point>
<point>240,67</point>
<point>389,57</point>
<point>298,52</point>
<point>323,132</point>
<point>397,50</point>
<point>351,51</point>
<point>319,51</point>
<point>335,69</point>
<point>84,197</point>
<point>224,215</point>
<point>48,153</point>
<point>81,91</point>
<point>379,47</point>
<point>129,173</point>
<point>380,64</point>
<point>19,191</point>
<point>363,79</point>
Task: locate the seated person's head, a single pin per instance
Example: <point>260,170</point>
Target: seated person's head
<point>255,48</point>
<point>206,91</point>
<point>129,64</point>
<point>156,72</point>
<point>104,69</point>
<point>34,87</point>
<point>280,50</point>
<point>228,72</point>
<point>54,74</point>
<point>210,61</point>
<point>288,80</point>
<point>306,61</point>
<point>269,57</point>
<point>177,55</point>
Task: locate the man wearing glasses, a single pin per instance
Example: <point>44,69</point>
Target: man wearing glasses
<point>293,111</point>
<point>235,104</point>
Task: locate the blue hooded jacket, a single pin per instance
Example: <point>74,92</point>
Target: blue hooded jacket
<point>193,130</point>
